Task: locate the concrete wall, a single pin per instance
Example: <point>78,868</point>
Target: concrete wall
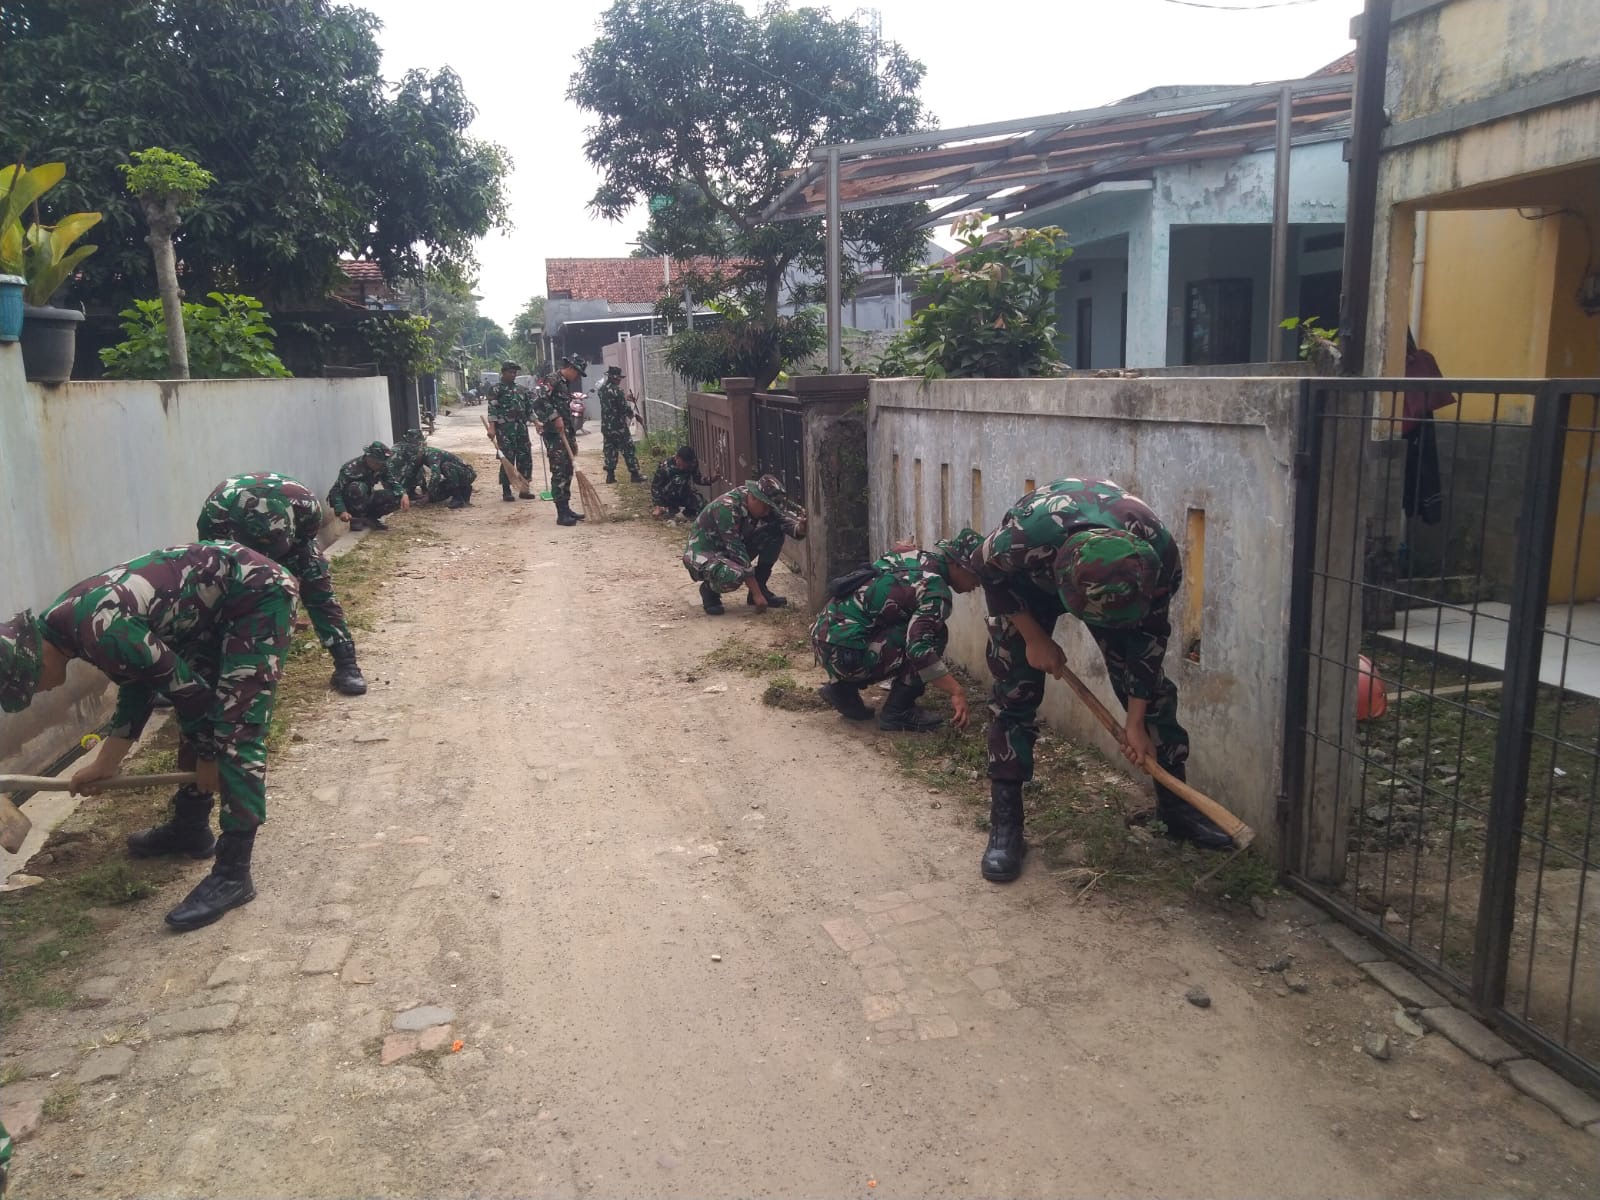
<point>1213,456</point>
<point>96,473</point>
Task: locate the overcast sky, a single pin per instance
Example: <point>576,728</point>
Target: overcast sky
<point>985,63</point>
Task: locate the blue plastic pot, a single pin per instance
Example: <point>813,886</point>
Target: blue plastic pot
<point>11,307</point>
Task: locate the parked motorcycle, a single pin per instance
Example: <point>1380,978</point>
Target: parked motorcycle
<point>575,421</point>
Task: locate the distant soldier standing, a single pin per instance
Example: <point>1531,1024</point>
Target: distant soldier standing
<point>281,517</point>
<point>615,409</point>
<point>366,490</point>
<point>737,539</point>
<point>893,624</point>
<point>1088,548</point>
<point>206,625</point>
<point>671,487</point>
<point>510,410</point>
<point>550,411</point>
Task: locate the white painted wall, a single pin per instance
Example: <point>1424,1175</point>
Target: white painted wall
<point>92,474</point>
<point>1106,266</point>
<point>1221,445</point>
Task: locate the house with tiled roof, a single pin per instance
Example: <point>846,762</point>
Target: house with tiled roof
<point>363,285</point>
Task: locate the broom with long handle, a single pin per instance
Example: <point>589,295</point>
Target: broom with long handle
<point>590,495</point>
<point>506,463</point>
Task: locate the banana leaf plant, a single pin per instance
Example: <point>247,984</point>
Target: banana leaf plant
<point>44,255</point>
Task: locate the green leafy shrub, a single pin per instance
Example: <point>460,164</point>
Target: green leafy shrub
<point>990,315</point>
<point>403,345</point>
<point>161,173</point>
<point>745,342</point>
<point>228,339</point>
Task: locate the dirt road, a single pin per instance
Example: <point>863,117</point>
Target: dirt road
<point>695,946</point>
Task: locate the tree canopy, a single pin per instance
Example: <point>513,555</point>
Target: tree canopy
<point>700,110</point>
<point>314,153</point>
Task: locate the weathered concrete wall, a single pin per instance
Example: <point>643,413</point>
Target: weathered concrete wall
<point>1212,456</point>
<point>96,473</point>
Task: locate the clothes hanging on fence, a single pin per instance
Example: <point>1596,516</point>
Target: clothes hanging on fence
<point>1423,494</point>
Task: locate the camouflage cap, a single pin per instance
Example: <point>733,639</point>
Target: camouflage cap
<point>577,362</point>
<point>21,660</point>
<point>1107,577</point>
<point>508,365</point>
<point>613,370</point>
<point>375,450</point>
<point>962,548</point>
<point>688,455</point>
<point>768,489</point>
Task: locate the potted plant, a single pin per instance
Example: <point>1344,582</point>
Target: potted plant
<point>45,257</point>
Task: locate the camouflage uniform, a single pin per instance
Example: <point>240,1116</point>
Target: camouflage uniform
<point>361,492</point>
<point>510,409</point>
<point>555,400</point>
<point>670,489</point>
<point>614,412</point>
<point>436,474</point>
<point>5,1158</point>
<point>279,517</point>
<point>208,626</point>
<point>894,626</point>
<point>729,545</point>
<point>1124,609</point>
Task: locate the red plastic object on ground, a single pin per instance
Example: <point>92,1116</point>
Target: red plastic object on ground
<point>1371,700</point>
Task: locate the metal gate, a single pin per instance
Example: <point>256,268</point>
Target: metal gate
<point>780,444</point>
<point>1442,753</point>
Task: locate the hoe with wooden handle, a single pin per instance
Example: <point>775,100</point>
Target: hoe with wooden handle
<point>1241,833</point>
<point>14,824</point>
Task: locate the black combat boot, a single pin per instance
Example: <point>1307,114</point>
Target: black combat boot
<point>845,699</point>
<point>611,477</point>
<point>635,477</point>
<point>1184,822</point>
<point>507,496</point>
<point>377,523</point>
<point>458,501</point>
<point>228,885</point>
<point>526,496</point>
<point>773,599</point>
<point>565,515</point>
<point>346,674</point>
<point>1002,860</point>
<point>710,600</point>
<point>900,713</point>
<point>186,832</point>
<point>357,524</point>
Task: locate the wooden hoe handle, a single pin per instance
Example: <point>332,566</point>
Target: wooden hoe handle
<point>1231,825</point>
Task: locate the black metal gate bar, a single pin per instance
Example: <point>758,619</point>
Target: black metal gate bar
<point>1519,695</point>
<point>1510,464</point>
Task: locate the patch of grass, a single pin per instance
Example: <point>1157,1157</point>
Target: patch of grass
<point>786,692</point>
<point>737,654</point>
<point>60,1103</point>
<point>114,881</point>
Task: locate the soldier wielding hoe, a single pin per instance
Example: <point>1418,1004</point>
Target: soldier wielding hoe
<point>550,410</point>
<point>892,623</point>
<point>671,487</point>
<point>366,490</point>
<point>426,472</point>
<point>510,410</point>
<point>737,539</point>
<point>207,625</point>
<point>280,517</point>
<point>1088,548</point>
<point>615,409</point>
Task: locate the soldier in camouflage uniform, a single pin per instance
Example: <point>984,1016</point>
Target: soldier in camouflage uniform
<point>426,472</point>
<point>1088,548</point>
<point>207,625</point>
<point>737,539</point>
<point>510,410</point>
<point>615,409</point>
<point>280,517</point>
<point>366,490</point>
<point>671,487</point>
<point>891,623</point>
<point>551,409</point>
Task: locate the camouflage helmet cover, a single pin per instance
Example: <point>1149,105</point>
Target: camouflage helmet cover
<point>962,548</point>
<point>768,489</point>
<point>375,450</point>
<point>1107,577</point>
<point>577,362</point>
<point>21,660</point>
<point>508,365</point>
<point>613,371</point>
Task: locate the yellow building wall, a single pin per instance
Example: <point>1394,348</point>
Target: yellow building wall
<point>1500,301</point>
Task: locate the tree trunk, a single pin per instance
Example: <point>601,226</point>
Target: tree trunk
<point>162,215</point>
<point>769,315</point>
